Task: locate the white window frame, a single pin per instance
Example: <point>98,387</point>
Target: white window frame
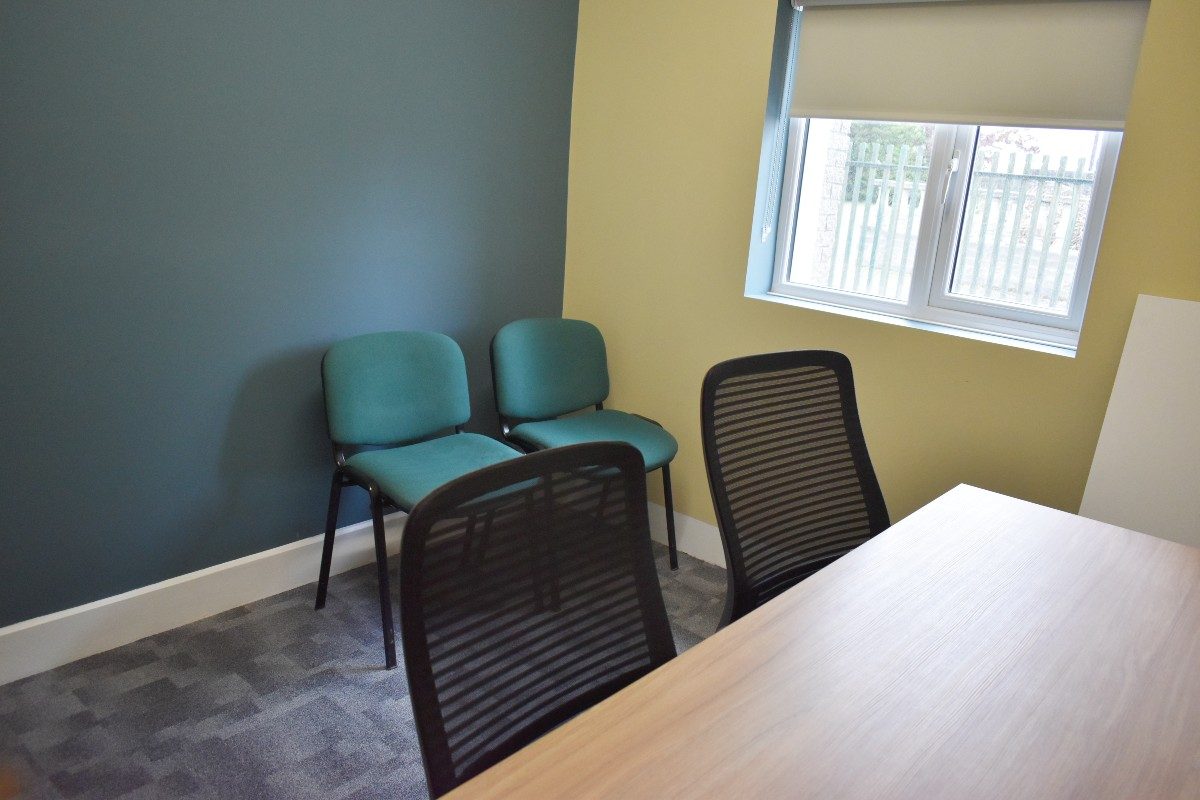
<point>929,300</point>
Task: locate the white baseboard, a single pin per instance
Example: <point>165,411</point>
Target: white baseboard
<point>43,643</point>
<point>692,536</point>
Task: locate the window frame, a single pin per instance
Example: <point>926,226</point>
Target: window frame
<point>938,235</point>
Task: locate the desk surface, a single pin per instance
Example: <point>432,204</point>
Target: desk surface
<point>984,647</point>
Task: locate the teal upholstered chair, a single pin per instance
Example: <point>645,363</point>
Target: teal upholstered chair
<point>397,391</point>
<point>544,369</point>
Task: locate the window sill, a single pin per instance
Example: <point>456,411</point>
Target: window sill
<point>904,322</point>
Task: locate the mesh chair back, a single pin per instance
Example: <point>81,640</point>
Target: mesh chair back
<point>528,594</point>
<point>544,368</point>
<point>394,387</point>
<point>791,480</point>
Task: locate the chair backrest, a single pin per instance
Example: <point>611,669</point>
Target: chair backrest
<point>542,368</point>
<point>528,594</point>
<point>395,387</point>
<point>791,480</point>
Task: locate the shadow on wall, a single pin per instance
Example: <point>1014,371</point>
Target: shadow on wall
<point>476,345</point>
<point>275,452</point>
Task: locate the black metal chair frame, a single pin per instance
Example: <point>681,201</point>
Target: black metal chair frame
<point>581,459</point>
<point>508,423</point>
<point>739,596</point>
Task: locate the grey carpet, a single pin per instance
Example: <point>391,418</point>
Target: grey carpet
<point>268,700</point>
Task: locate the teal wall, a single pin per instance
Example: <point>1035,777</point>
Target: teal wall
<point>196,198</point>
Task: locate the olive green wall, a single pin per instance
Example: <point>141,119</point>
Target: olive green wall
<point>666,128</point>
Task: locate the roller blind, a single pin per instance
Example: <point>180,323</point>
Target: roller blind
<point>1064,63</point>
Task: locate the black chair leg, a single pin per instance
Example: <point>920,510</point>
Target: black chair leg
<point>335,498</point>
<point>670,504</point>
<point>385,593</point>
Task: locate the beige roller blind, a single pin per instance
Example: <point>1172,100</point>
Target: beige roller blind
<point>1065,63</point>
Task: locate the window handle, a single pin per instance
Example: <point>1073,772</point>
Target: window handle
<point>951,168</point>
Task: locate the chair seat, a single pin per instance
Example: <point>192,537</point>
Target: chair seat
<point>656,445</point>
<point>406,474</point>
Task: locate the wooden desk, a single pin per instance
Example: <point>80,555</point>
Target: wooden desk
<point>984,647</point>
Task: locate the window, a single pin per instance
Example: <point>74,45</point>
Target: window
<point>991,228</point>
<point>944,165</point>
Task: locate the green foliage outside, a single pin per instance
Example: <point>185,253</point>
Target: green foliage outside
<point>864,136</point>
<point>885,133</point>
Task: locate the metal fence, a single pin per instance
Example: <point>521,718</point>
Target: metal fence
<point>1019,241</point>
<point>876,234</point>
<point>1022,230</point>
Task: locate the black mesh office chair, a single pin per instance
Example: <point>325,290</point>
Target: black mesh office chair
<point>528,593</point>
<point>791,480</point>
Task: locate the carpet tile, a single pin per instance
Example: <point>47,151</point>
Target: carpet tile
<point>268,700</point>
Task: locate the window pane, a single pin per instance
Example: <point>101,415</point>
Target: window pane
<point>1027,205</point>
<point>862,189</point>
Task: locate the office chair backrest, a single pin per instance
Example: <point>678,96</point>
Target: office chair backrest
<point>528,594</point>
<point>546,367</point>
<point>396,387</point>
<point>791,480</point>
